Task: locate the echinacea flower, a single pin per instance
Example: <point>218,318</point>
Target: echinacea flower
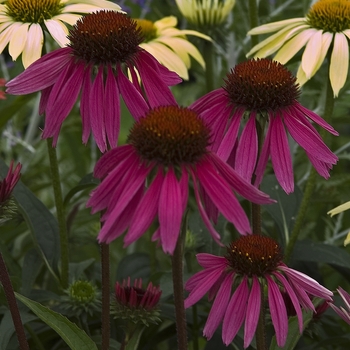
<point>263,92</point>
<point>102,45</point>
<point>9,182</point>
<point>337,210</point>
<point>169,45</point>
<point>326,28</point>
<point>205,12</point>
<point>149,178</point>
<point>343,313</point>
<point>253,264</point>
<point>23,23</point>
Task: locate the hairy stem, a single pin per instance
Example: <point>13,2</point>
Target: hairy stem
<point>105,321</point>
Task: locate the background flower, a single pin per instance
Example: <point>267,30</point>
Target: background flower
<point>343,313</point>
<point>337,210</point>
<point>169,45</point>
<point>326,27</point>
<point>252,265</point>
<point>23,23</point>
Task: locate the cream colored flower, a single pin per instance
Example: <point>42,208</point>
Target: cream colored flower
<point>340,209</point>
<point>23,22</point>
<point>205,12</point>
<point>326,27</point>
<point>169,44</point>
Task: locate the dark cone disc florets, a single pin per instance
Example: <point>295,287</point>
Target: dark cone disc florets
<point>261,85</point>
<point>105,37</point>
<point>170,135</point>
<point>254,255</point>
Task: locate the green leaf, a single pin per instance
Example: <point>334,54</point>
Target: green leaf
<point>42,224</point>
<point>307,250</point>
<point>284,211</point>
<point>86,182</point>
<point>75,337</point>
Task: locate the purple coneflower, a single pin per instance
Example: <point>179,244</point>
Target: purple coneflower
<point>149,178</point>
<point>263,92</point>
<point>251,264</point>
<point>102,45</point>
<point>9,182</point>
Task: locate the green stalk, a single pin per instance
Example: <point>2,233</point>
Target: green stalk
<point>311,182</point>
<point>260,335</point>
<point>178,286</point>
<point>12,304</point>
<point>105,271</point>
<point>253,20</point>
<point>56,184</point>
<point>209,57</point>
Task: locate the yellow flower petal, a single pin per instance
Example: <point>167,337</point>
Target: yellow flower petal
<point>339,209</point>
<point>18,41</point>
<point>69,18</point>
<point>275,26</point>
<point>293,46</point>
<point>339,62</point>
<point>347,240</point>
<point>33,46</point>
<point>58,31</point>
<point>312,53</point>
<point>7,34</point>
<point>166,22</point>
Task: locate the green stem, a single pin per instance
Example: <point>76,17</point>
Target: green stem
<point>180,314</point>
<point>56,184</point>
<point>105,271</point>
<point>260,334</point>
<point>253,20</point>
<point>209,53</point>
<point>12,304</point>
<point>311,182</point>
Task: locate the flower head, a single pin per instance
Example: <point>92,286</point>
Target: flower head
<point>81,298</point>
<point>7,207</point>
<point>205,12</point>
<point>343,313</point>
<point>24,22</point>
<point>166,148</point>
<point>169,45</point>
<point>326,27</point>
<point>101,46</point>
<point>251,264</point>
<point>263,92</point>
<point>134,303</point>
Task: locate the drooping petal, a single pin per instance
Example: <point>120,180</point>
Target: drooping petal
<point>146,210</point>
<point>275,26</point>
<point>312,53</point>
<point>280,154</point>
<point>33,46</point>
<point>209,261</point>
<point>18,41</point>
<point>58,31</point>
<point>41,74</point>
<point>235,312</point>
<point>338,70</point>
<point>278,311</point>
<point>170,211</point>
<point>247,150</point>
<point>219,307</point>
<point>253,312</point>
<point>85,104</point>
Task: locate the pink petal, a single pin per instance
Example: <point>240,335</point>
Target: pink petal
<point>280,154</point>
<point>278,311</point>
<point>42,73</point>
<point>85,104</point>
<point>170,211</point>
<point>208,261</point>
<point>184,187</point>
<point>219,307</point>
<point>213,97</point>
<point>112,108</point>
<point>146,210</point>
<point>62,98</point>
<point>204,280</point>
<point>235,312</point>
<point>135,102</point>
<point>253,312</point>
<point>247,150</point>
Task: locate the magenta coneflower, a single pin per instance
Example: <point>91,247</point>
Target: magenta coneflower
<point>149,178</point>
<point>343,313</point>
<point>263,92</point>
<point>9,182</point>
<point>102,46</point>
<point>252,265</point>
